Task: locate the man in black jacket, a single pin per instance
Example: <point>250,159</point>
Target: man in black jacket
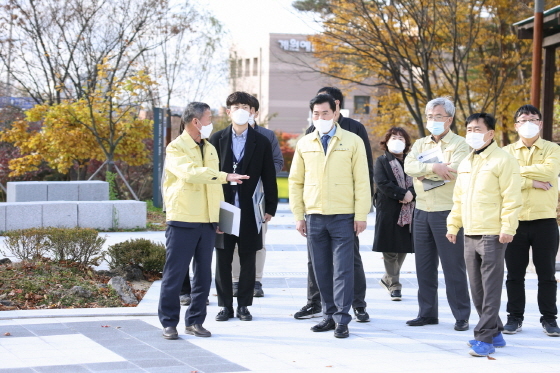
<point>313,306</point>
<point>242,150</point>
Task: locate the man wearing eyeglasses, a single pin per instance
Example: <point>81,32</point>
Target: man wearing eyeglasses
<point>539,161</point>
<point>433,204</point>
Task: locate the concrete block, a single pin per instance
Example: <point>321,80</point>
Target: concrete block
<point>62,191</point>
<point>2,217</point>
<point>26,191</point>
<point>60,214</point>
<point>95,214</point>
<point>129,214</point>
<point>22,215</point>
<point>93,190</point>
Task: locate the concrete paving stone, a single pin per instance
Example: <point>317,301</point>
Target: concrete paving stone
<point>221,368</point>
<point>15,331</point>
<point>127,325</point>
<point>129,214</point>
<point>179,369</point>
<point>22,215</point>
<point>62,191</point>
<point>164,362</point>
<point>60,214</point>
<point>51,332</point>
<point>94,190</point>
<point>26,191</point>
<point>125,341</point>
<point>204,360</point>
<point>111,366</point>
<point>62,369</point>
<point>135,356</point>
<point>95,214</point>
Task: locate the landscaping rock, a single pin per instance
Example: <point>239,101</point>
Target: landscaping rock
<point>123,290</point>
<point>79,291</point>
<point>133,273</point>
<point>6,303</point>
<point>5,261</point>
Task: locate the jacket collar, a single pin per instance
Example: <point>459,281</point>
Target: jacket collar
<point>446,139</point>
<point>539,144</point>
<point>337,133</point>
<point>189,140</point>
<point>489,150</point>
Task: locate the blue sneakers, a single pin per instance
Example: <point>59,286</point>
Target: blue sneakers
<point>482,349</point>
<point>498,341</point>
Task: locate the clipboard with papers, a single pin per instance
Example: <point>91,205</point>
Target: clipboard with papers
<point>230,218</point>
<point>258,205</point>
<point>434,155</point>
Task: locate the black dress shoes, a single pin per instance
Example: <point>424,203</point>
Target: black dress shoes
<point>462,325</point>
<point>225,314</point>
<point>396,295</point>
<point>421,321</point>
<point>197,330</point>
<point>341,331</point>
<point>170,333</point>
<point>324,326</point>
<point>244,314</point>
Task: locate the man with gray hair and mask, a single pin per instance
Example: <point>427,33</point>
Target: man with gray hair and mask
<point>192,194</point>
<point>434,183</point>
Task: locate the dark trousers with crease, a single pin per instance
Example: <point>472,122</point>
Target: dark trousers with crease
<point>430,246</point>
<point>183,244</point>
<point>542,237</point>
<point>359,300</point>
<point>224,258</point>
<point>330,240</point>
<point>484,256</point>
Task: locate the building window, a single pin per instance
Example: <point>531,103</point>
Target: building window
<point>361,104</point>
<point>255,66</point>
<point>247,67</point>
<point>239,68</point>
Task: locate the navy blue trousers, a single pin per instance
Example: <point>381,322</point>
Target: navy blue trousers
<point>184,244</point>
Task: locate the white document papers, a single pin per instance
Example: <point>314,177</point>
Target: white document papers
<point>433,155</point>
<point>230,216</point>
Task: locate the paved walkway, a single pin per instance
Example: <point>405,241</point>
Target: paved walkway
<point>129,339</point>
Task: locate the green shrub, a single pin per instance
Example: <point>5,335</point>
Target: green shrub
<point>27,244</point>
<point>80,245</point>
<point>148,255</point>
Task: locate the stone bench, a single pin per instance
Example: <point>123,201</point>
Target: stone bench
<point>32,191</point>
<point>102,215</point>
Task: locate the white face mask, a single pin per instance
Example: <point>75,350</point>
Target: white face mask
<point>205,131</point>
<point>475,140</point>
<point>396,146</point>
<point>528,130</point>
<point>324,126</point>
<point>240,117</point>
<point>436,128</point>
<point>251,120</point>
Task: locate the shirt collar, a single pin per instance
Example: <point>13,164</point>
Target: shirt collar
<point>242,136</point>
<point>539,144</point>
<point>331,133</point>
